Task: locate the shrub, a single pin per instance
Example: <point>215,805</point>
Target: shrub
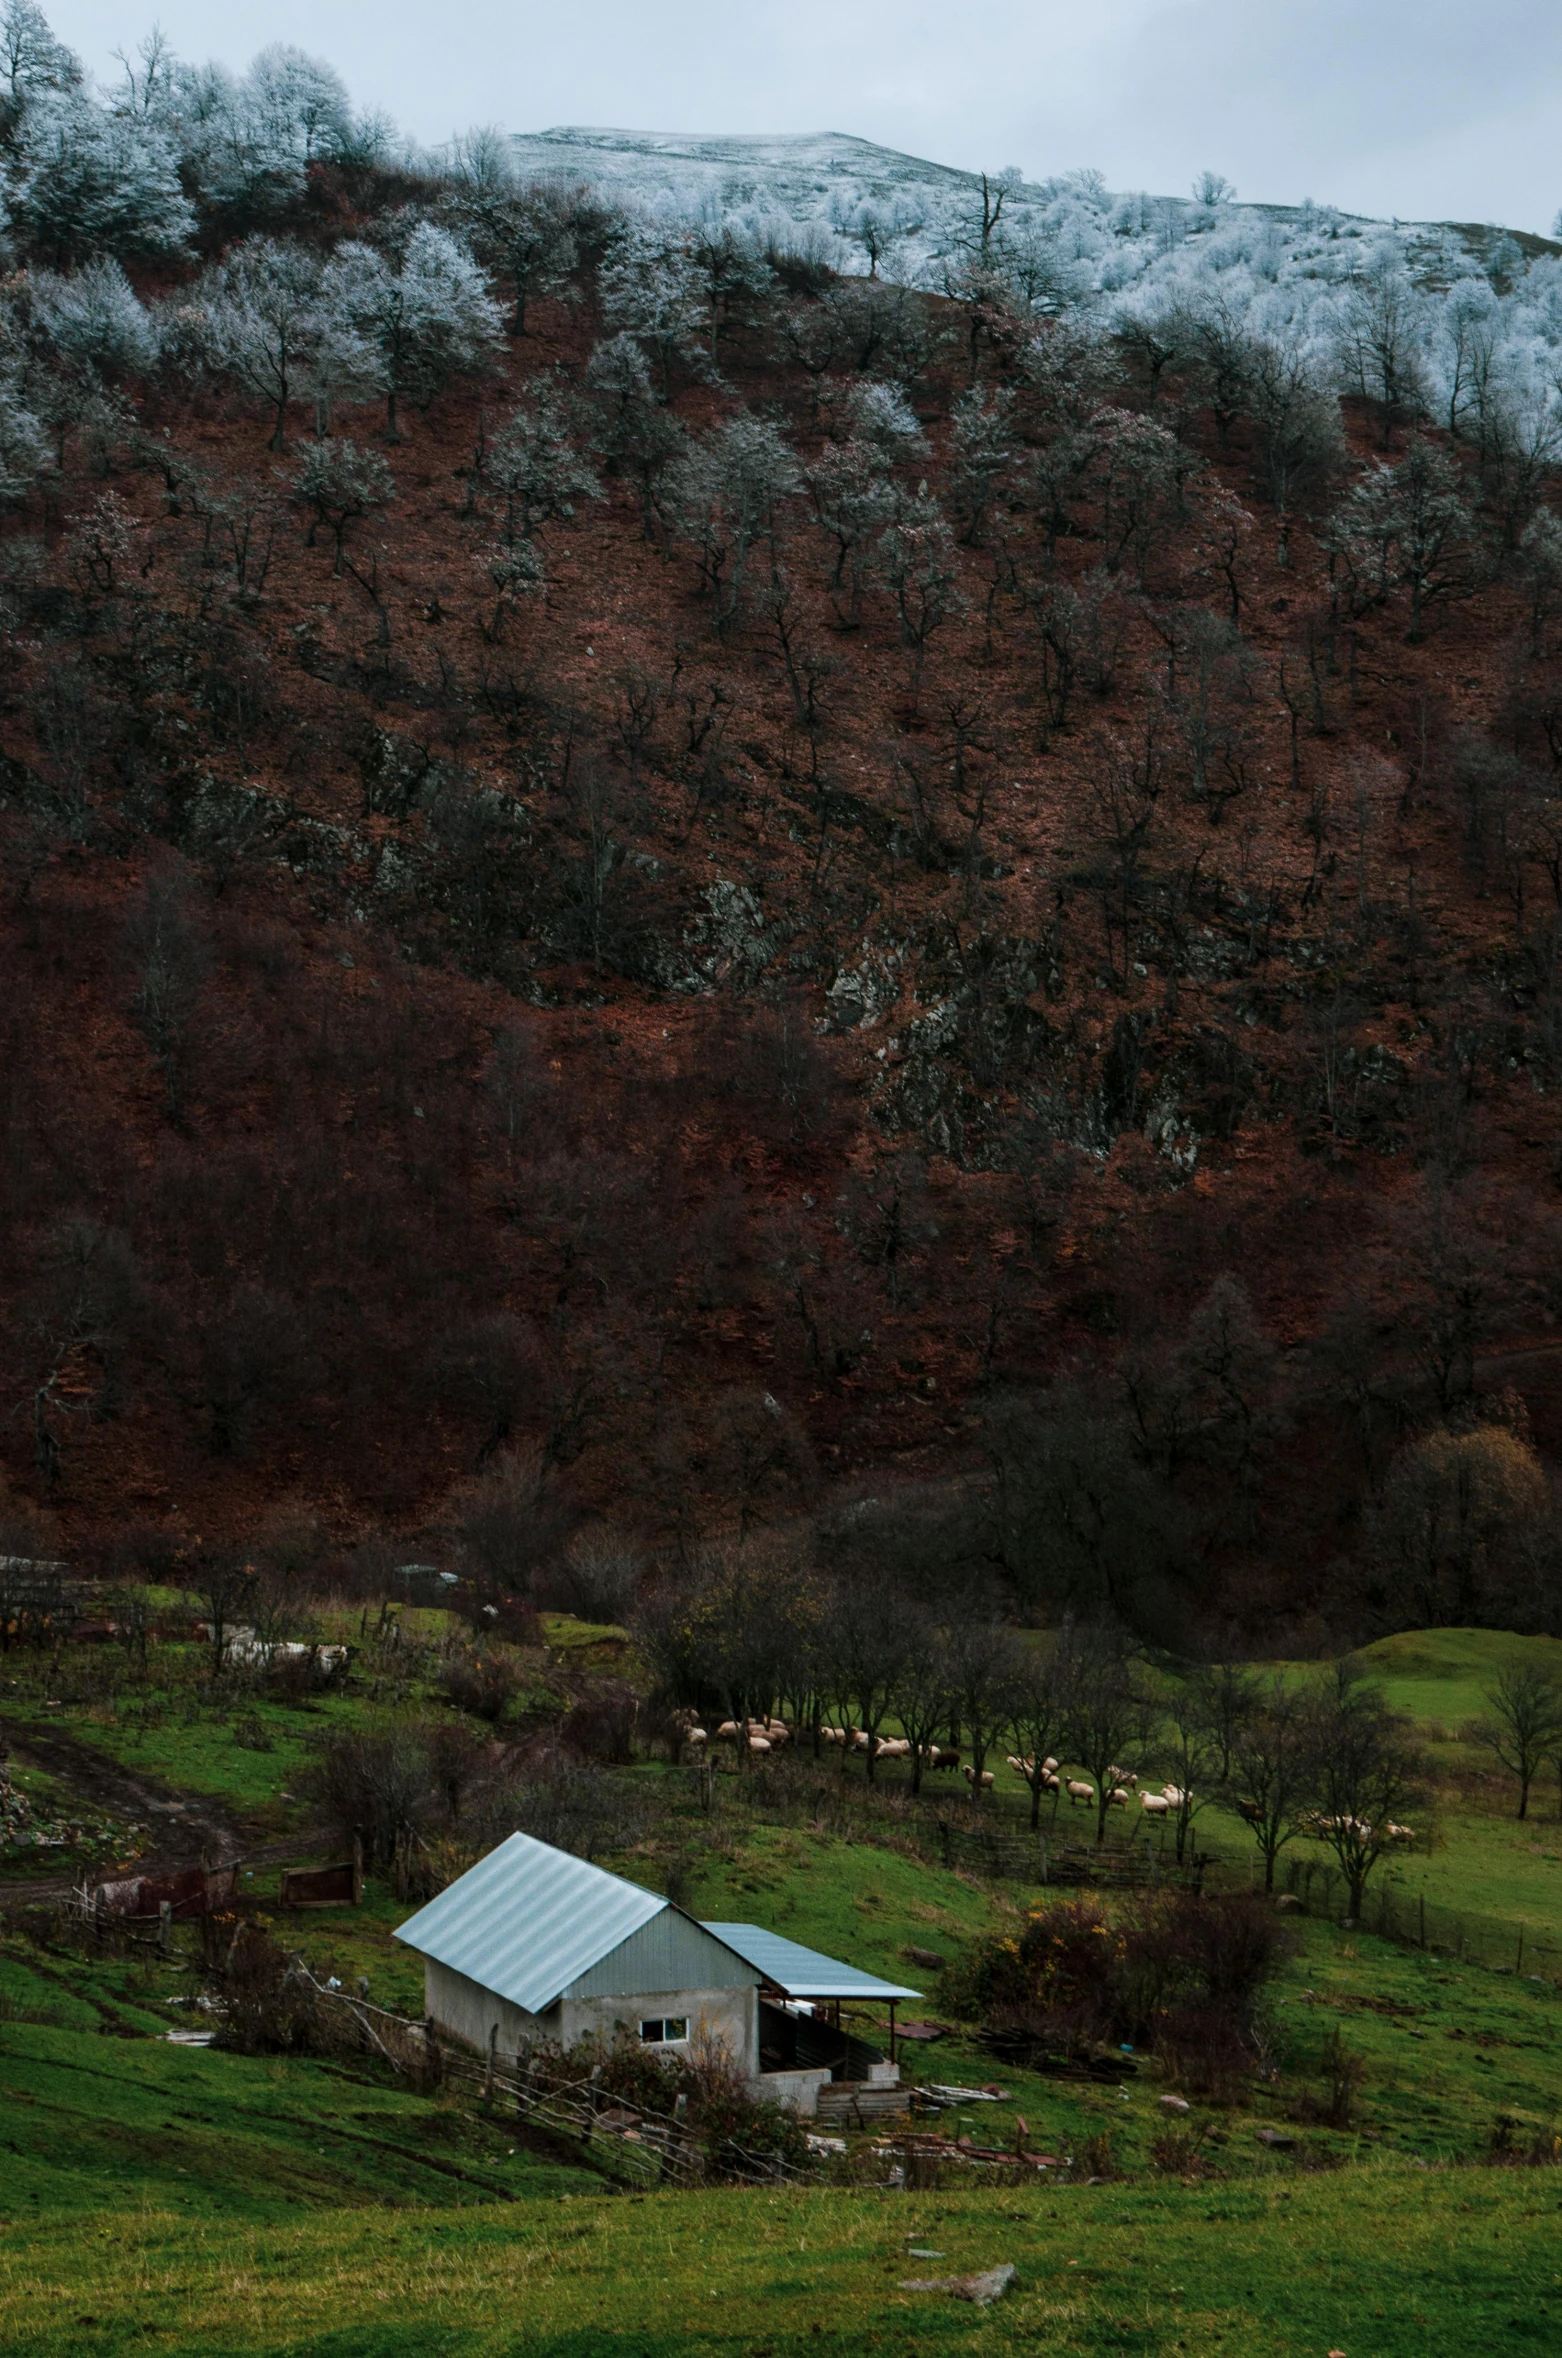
<point>735,2127</point>
<point>374,1784</point>
<point>479,1680</point>
<point>1177,1973</point>
<point>270,2009</point>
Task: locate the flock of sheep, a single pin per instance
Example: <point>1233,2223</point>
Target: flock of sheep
<point>768,1735</point>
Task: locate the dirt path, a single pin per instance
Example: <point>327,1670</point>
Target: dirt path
<point>182,1824</point>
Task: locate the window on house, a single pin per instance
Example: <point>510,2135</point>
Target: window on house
<point>664,2030</point>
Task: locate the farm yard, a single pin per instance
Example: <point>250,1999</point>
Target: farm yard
<point>310,2198</point>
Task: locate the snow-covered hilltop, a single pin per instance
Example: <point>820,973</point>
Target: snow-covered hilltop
<point>1454,314</point>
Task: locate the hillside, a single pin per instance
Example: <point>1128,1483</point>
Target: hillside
<point>769,899</point>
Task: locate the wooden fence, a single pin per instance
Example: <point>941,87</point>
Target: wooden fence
<point>629,2141</point>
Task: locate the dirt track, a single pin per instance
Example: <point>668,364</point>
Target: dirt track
<point>182,1824</point>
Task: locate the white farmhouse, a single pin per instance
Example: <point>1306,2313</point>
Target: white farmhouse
<point>533,1943</point>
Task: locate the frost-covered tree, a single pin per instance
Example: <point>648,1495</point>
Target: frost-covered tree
<point>653,289</point>
<point>85,182</point>
<point>916,555</point>
<point>1301,442</point>
<point>420,305</point>
<point>635,432</point>
<point>1383,334</point>
<point>32,62</point>
<point>880,227</point>
<point>342,484</point>
<point>882,417</point>
<point>534,467</point>
<point>1540,562</point>
<point>738,282</point>
<point>1141,469</point>
<point>1407,527</point>
<point>94,320</point>
<point>854,499</point>
<point>527,235</point>
<point>725,492</point>
<point>248,140</point>
<point>24,444</point>
<point>270,328</point>
<point>986,450</point>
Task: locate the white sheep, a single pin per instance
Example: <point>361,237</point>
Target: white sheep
<point>1078,1791</point>
<point>970,1777</point>
<point>1155,1805</point>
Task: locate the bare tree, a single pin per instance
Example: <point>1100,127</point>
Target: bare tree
<point>1524,1727</point>
<point>1367,1775</point>
<point>1270,1768</point>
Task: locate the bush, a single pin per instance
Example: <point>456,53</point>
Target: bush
<point>479,1680</point>
<point>375,1785</point>
<point>1178,1973</point>
<point>270,2009</point>
<point>735,2127</point>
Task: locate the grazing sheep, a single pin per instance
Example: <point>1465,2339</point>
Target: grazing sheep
<point>1049,1765</point>
<point>1078,1791</point>
<point>970,1777</point>
<point>1117,1798</point>
<point>1121,1776</point>
<point>1155,1805</point>
<point>1050,1783</point>
<point>1399,1833</point>
<point>759,1743</point>
<point>833,1735</point>
<point>694,1736</point>
<point>892,1748</point>
<point>1175,1795</point>
<point>942,1756</point>
<point>1251,1812</point>
<point>727,1733</point>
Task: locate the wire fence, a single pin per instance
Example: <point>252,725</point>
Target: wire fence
<point>1392,1910</point>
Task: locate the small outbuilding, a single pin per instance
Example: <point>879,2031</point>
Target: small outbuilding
<point>533,1944</point>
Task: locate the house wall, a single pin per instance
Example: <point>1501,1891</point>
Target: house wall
<point>731,2015</point>
<point>464,2010</point>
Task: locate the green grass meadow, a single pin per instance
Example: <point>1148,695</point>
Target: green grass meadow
<point>161,2196</point>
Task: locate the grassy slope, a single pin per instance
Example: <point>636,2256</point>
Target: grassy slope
<point>1378,2263</point>
<point>220,2180</point>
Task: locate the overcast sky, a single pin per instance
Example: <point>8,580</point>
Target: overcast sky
<point>1429,109</point>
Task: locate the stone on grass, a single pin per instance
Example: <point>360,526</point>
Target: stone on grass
<point>990,2285</point>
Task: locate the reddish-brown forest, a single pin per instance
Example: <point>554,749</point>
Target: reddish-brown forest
<point>1024,1032</point>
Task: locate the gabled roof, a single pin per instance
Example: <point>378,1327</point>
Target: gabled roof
<point>803,1973</point>
<point>528,1920</point>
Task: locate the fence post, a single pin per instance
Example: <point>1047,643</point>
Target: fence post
<point>493,2056</point>
<point>165,1927</point>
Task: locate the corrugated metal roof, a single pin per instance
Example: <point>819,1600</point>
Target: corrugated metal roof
<point>528,1920</point>
<point>800,1972</point>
